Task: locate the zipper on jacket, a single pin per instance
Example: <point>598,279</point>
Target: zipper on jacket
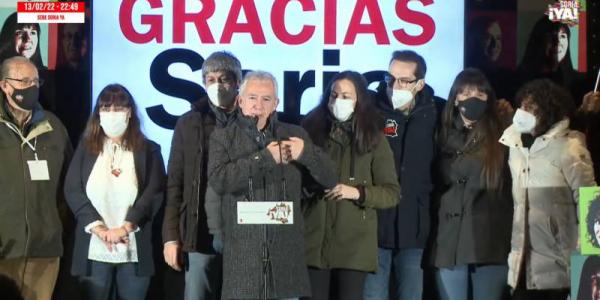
<point>521,260</point>
<point>27,231</point>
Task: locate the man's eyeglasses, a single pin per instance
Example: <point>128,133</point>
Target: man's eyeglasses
<point>390,80</point>
<point>28,82</point>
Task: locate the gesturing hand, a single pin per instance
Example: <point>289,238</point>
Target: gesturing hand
<point>342,191</point>
<point>281,154</point>
<point>505,109</point>
<point>295,146</point>
<point>591,103</point>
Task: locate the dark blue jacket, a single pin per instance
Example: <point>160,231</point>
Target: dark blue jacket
<point>411,138</point>
<point>151,177</point>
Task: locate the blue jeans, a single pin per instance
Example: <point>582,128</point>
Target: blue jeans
<point>406,264</point>
<point>107,280</point>
<point>486,282</point>
<point>203,276</point>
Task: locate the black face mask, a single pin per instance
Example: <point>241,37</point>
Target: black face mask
<point>227,97</point>
<point>472,108</point>
<point>27,98</point>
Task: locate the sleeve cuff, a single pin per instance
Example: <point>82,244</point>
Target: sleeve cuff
<point>362,197</point>
<point>89,227</point>
<point>137,228</point>
<point>306,157</point>
<point>134,216</point>
<point>171,242</point>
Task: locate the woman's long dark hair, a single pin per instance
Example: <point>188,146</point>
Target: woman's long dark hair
<point>489,128</point>
<point>7,40</point>
<point>368,123</point>
<point>534,59</point>
<point>117,95</point>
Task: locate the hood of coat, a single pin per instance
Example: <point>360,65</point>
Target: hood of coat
<point>37,126</point>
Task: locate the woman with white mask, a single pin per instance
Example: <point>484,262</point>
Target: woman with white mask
<point>549,163</point>
<point>114,186</point>
<point>341,223</point>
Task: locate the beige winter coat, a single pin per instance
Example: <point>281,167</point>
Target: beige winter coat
<point>546,179</point>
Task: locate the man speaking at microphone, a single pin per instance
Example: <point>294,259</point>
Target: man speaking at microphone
<point>260,165</point>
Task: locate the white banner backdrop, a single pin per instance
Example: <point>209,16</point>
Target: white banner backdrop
<point>155,48</point>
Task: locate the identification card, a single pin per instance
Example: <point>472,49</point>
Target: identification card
<point>38,170</point>
<point>265,212</point>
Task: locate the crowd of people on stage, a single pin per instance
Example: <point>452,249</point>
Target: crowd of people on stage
<point>395,192</point>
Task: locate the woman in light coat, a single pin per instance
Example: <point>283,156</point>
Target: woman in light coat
<point>548,163</point>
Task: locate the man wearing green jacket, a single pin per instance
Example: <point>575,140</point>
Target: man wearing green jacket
<point>34,155</point>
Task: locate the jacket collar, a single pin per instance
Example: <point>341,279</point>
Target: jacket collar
<point>201,105</point>
<point>38,124</point>
<point>248,125</point>
<point>204,106</point>
<point>342,132</point>
<point>512,138</point>
<point>558,129</point>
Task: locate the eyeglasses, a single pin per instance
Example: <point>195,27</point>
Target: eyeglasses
<point>390,80</point>
<point>28,81</point>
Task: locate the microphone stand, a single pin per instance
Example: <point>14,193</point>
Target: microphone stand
<point>266,260</point>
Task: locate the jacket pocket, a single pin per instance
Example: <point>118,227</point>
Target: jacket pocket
<point>561,246</point>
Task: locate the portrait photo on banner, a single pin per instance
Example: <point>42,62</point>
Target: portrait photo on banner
<point>589,216</point>
<point>585,277</point>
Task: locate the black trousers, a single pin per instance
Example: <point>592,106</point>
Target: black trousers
<point>336,284</point>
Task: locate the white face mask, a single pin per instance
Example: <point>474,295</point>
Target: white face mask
<point>342,109</point>
<point>114,123</point>
<point>523,121</point>
<point>401,97</point>
<point>213,93</point>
